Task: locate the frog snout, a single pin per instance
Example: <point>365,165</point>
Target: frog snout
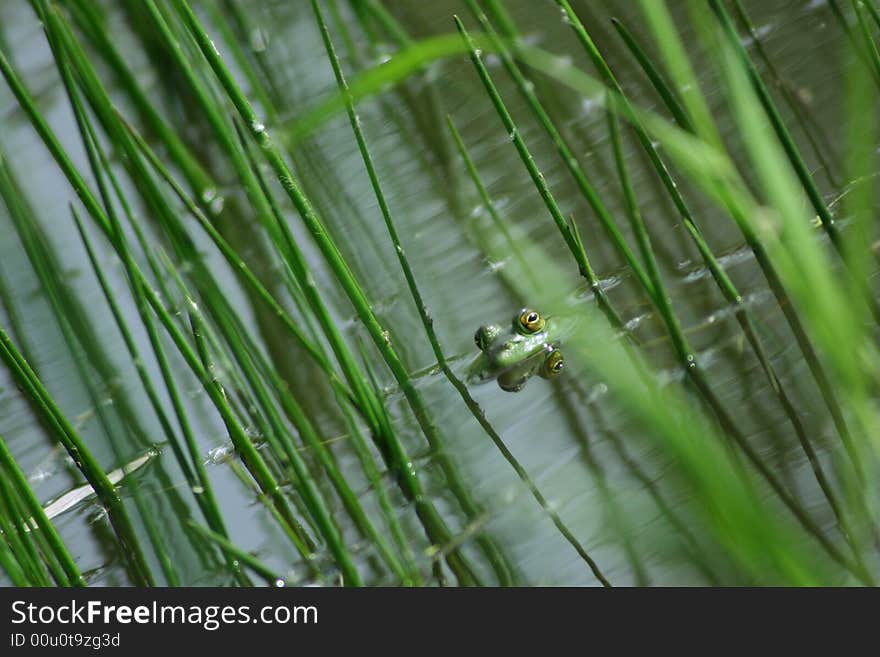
<point>485,335</point>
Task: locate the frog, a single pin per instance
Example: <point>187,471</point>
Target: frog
<point>511,356</point>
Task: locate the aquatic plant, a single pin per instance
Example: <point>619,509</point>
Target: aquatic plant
<point>246,247</point>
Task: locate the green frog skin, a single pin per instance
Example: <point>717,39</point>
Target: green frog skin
<point>513,355</point>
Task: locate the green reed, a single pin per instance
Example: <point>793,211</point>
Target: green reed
<point>172,188</point>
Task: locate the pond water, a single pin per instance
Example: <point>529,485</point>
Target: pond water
<point>611,488</point>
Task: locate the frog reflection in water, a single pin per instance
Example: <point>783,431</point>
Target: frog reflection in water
<point>513,355</point>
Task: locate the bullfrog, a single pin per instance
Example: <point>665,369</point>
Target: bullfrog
<point>513,355</point>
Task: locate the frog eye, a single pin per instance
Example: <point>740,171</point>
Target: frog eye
<point>554,363</point>
<point>530,320</point>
